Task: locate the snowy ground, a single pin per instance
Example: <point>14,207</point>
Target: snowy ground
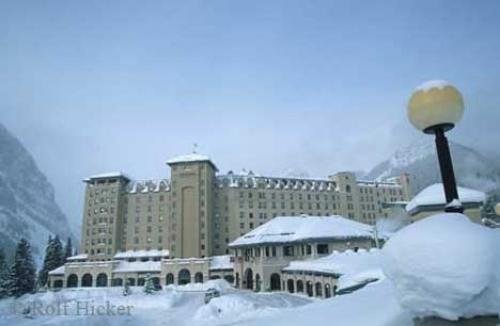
<point>181,305</point>
<point>444,265</point>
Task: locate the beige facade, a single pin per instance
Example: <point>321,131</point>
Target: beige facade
<point>197,212</point>
<point>259,267</point>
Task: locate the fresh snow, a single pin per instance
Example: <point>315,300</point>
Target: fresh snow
<point>193,157</point>
<point>283,229</point>
<point>78,257</point>
<point>353,267</point>
<point>434,195</point>
<point>141,254</point>
<point>445,265</point>
<point>221,262</point>
<point>114,174</point>
<point>137,266</point>
<point>174,305</point>
<point>427,86</point>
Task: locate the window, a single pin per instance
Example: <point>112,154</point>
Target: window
<point>322,249</point>
<point>288,251</point>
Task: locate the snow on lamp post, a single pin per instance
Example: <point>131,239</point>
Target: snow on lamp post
<point>434,108</point>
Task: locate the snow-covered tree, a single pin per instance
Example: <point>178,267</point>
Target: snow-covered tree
<point>149,286</point>
<point>22,272</point>
<point>54,257</point>
<point>68,249</point>
<point>4,275</point>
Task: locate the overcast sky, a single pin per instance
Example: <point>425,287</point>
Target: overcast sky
<point>316,86</point>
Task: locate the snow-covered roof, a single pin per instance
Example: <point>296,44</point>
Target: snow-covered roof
<point>351,267</point>
<point>221,262</point>
<point>78,257</point>
<point>283,229</point>
<point>57,271</point>
<point>137,266</point>
<point>434,196</point>
<point>141,254</point>
<point>192,157</point>
<point>106,175</point>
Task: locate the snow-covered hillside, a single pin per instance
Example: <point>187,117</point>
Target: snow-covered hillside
<point>27,205</point>
<point>472,169</point>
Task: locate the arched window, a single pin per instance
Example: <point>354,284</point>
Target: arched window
<point>319,289</point>
<point>184,277</point>
<point>101,280</point>
<point>334,290</point>
<point>275,282</point>
<point>229,278</point>
<point>86,280</point>
<point>58,284</point>
<point>290,286</point>
<point>300,286</point>
<point>348,188</point>
<point>328,292</point>
<point>248,280</point>
<point>237,282</point>
<point>198,277</point>
<point>131,281</point>
<point>72,281</point>
<point>116,282</point>
<point>169,279</point>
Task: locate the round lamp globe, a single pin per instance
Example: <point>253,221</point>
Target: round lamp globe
<point>435,104</point>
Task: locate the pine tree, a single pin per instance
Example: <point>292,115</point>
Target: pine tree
<point>4,275</point>
<point>54,258</point>
<point>68,250</point>
<point>58,252</point>
<point>149,286</point>
<point>23,272</point>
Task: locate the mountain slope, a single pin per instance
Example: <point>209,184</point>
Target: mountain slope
<point>472,169</point>
<point>27,204</point>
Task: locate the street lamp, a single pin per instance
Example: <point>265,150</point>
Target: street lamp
<point>434,108</point>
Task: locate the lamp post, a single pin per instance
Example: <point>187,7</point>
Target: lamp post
<point>434,108</point>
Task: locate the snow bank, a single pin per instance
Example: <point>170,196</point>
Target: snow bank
<point>240,306</point>
<point>445,265</point>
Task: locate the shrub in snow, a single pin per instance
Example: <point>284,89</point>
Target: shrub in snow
<point>445,266</point>
<point>149,286</point>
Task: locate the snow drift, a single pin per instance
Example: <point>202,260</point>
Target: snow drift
<point>445,266</point>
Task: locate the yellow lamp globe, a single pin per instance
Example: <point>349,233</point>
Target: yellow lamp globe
<point>435,104</point>
<point>497,209</point>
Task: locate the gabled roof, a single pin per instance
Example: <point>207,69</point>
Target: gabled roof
<point>434,196</point>
<point>284,229</point>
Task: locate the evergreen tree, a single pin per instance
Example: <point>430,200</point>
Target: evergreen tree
<point>23,272</point>
<point>68,250</point>
<point>149,286</point>
<point>54,257</point>
<point>4,275</point>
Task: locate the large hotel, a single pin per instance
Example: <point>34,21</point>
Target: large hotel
<point>198,212</point>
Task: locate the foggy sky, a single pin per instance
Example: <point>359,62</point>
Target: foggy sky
<point>315,86</point>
